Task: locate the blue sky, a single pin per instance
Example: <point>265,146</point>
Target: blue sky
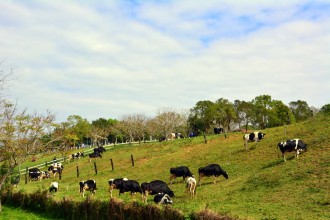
<point>111,58</point>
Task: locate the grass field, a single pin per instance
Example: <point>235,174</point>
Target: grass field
<point>260,184</point>
<point>12,213</point>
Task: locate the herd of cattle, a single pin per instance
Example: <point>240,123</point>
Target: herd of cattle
<point>161,191</point>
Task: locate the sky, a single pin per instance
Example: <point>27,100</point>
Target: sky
<point>108,59</point>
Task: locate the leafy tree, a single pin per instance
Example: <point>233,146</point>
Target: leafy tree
<point>300,110</point>
<point>202,115</point>
<point>325,109</point>
<point>244,112</point>
<point>262,105</point>
<point>224,113</point>
<point>79,128</point>
<point>133,126</point>
<point>280,114</point>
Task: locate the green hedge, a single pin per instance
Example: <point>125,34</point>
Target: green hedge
<point>90,208</point>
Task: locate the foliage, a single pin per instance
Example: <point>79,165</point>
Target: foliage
<point>300,110</point>
<point>325,109</point>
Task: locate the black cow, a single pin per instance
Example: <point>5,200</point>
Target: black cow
<point>87,185</point>
<point>95,154</point>
<point>296,145</point>
<point>155,187</point>
<point>130,186</point>
<point>162,138</point>
<point>53,187</point>
<point>116,184</point>
<point>218,130</point>
<point>180,171</point>
<point>162,198</point>
<point>255,136</point>
<point>99,149</point>
<point>211,170</point>
<point>35,174</point>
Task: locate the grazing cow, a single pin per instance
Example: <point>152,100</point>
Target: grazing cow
<point>162,198</point>
<point>211,170</point>
<point>116,184</point>
<point>296,145</point>
<point>77,155</point>
<point>180,171</point>
<point>130,186</point>
<point>53,187</point>
<point>255,136</point>
<point>172,136</point>
<point>154,187</point>
<point>36,174</point>
<point>191,185</point>
<point>95,154</point>
<point>87,185</point>
<point>56,168</point>
<point>162,138</point>
<point>218,130</point>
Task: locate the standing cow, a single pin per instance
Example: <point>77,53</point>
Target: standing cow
<point>180,171</point>
<point>211,170</point>
<point>253,137</point>
<point>87,185</point>
<point>191,185</point>
<point>296,145</point>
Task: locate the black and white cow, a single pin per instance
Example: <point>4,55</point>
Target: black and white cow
<point>211,170</point>
<point>296,145</point>
<point>87,185</point>
<point>155,187</point>
<point>253,137</point>
<point>56,168</point>
<point>191,185</point>
<point>77,155</point>
<point>36,174</point>
<point>116,184</point>
<point>218,130</point>
<point>53,187</point>
<point>95,154</point>
<point>125,185</point>
<point>178,135</point>
<point>181,171</point>
<point>162,198</point>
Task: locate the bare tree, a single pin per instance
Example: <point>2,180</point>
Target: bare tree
<point>21,136</point>
<point>133,126</point>
<point>167,120</point>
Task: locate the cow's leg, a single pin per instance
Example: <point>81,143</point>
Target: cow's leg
<point>283,154</point>
<point>245,144</point>
<point>172,176</point>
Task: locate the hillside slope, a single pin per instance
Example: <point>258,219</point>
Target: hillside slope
<point>260,184</point>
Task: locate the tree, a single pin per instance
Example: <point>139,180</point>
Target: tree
<point>133,126</point>
<point>224,113</point>
<point>167,121</point>
<point>101,129</point>
<point>262,105</point>
<point>79,128</point>
<point>279,114</point>
<point>300,110</point>
<point>325,109</point>
<point>202,115</point>
<point>22,135</point>
<point>244,112</point>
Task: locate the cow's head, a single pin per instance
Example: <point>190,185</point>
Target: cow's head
<point>261,135</point>
<point>166,199</point>
<point>225,175</point>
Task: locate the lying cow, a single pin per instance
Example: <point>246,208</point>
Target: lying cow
<point>155,187</point>
<point>211,170</point>
<point>87,185</point>
<point>253,137</point>
<point>162,198</point>
<point>296,145</point>
<point>191,185</point>
<point>53,187</point>
<point>181,171</point>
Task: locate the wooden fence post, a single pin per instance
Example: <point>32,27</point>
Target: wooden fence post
<point>26,175</point>
<point>205,137</point>
<point>111,164</point>
<point>132,160</point>
<point>95,167</point>
<point>77,171</point>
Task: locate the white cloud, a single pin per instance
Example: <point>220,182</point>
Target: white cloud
<point>109,59</point>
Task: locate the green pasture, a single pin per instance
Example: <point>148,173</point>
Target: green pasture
<point>260,184</point>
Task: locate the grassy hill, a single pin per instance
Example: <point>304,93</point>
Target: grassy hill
<point>260,184</point>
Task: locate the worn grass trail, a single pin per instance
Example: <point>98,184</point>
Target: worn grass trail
<point>260,184</point>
